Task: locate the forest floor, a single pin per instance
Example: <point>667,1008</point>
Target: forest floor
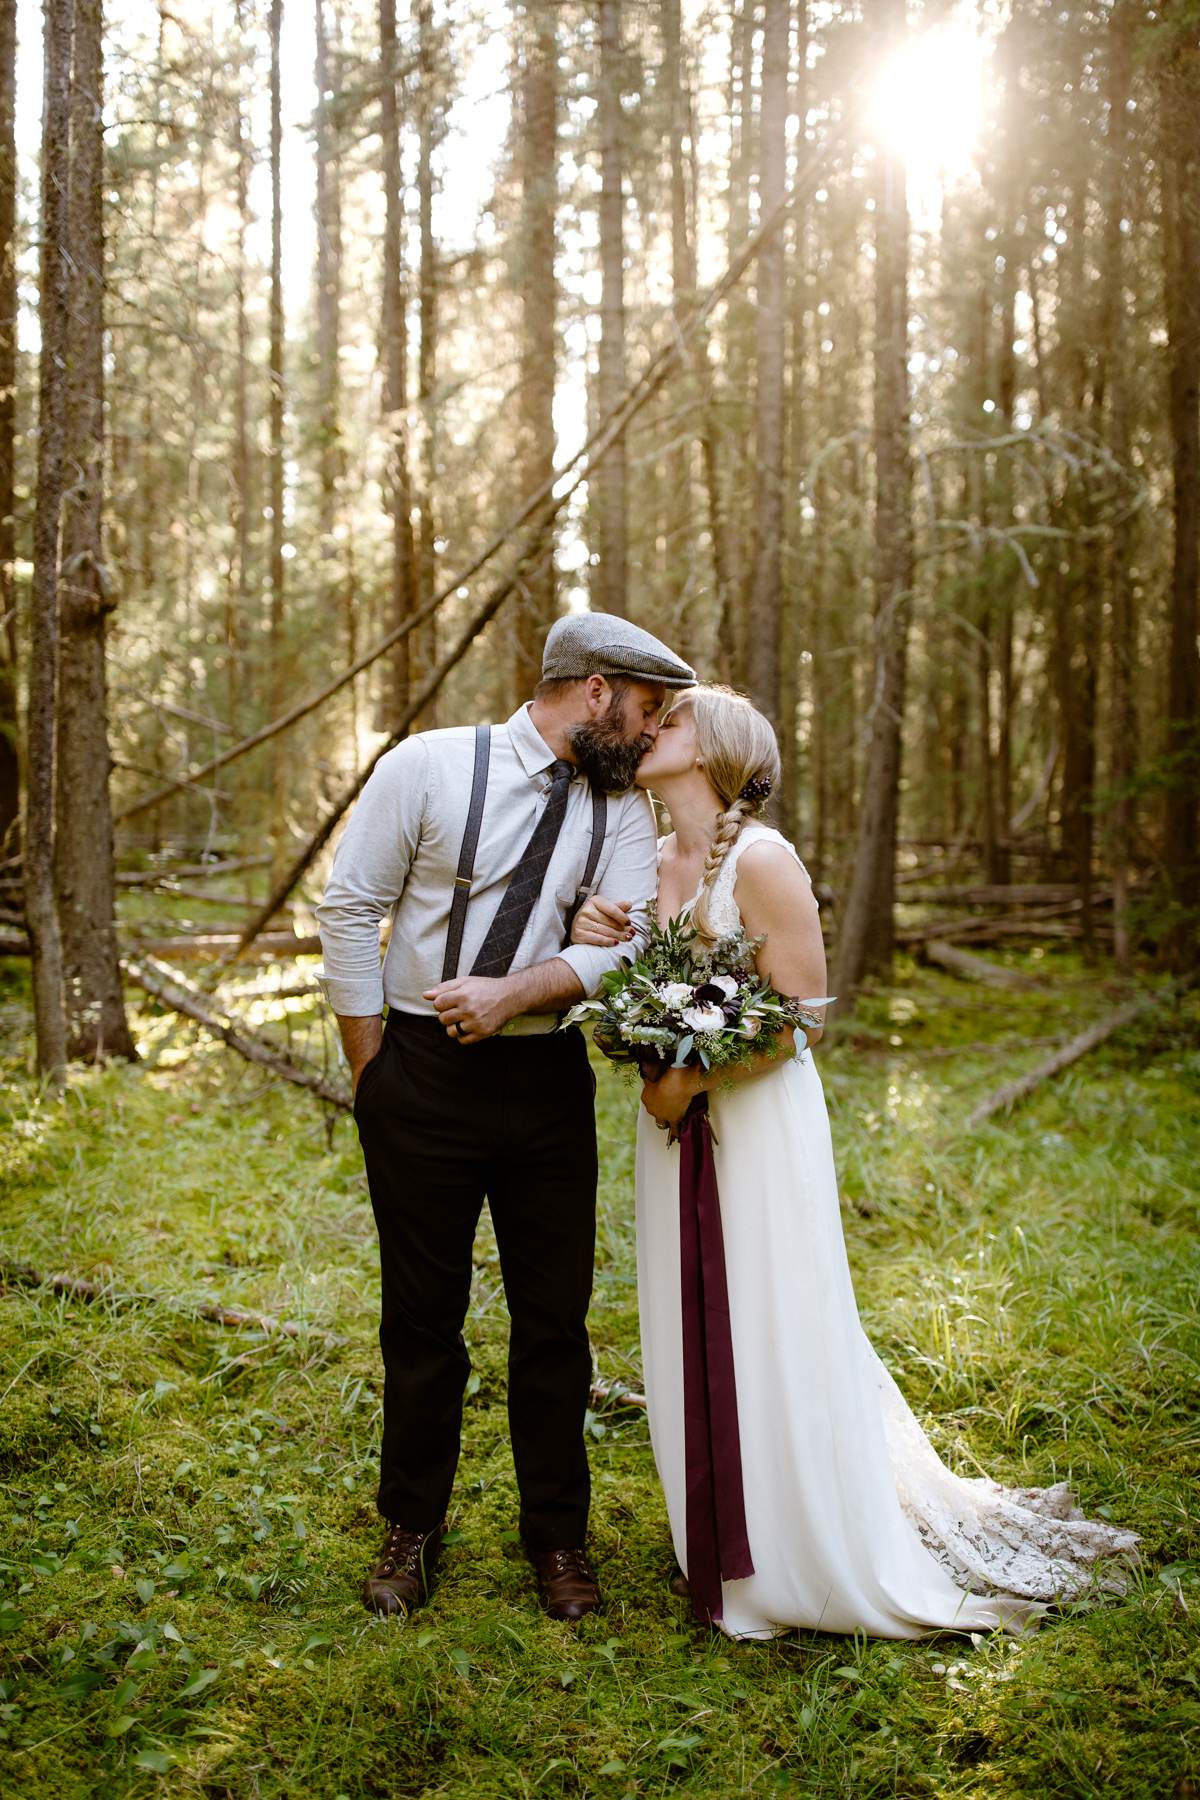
<point>187,1509</point>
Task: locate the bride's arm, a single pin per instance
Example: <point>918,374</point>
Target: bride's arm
<point>775,898</point>
<point>602,923</point>
<point>776,901</point>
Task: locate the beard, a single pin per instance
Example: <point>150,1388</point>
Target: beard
<point>600,748</point>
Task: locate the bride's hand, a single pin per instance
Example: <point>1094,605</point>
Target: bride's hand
<point>602,923</point>
<point>668,1098</point>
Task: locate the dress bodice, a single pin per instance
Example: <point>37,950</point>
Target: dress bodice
<point>723,908</point>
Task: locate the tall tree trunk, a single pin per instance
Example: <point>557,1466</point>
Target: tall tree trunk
<point>334,597</point>
<point>538,101</point>
<point>237,600</point>
<point>95,1005</point>
<point>41,913</point>
<point>766,583</point>
<point>1074,591</point>
<point>427,303</point>
<point>866,940</point>
<point>1010,576</point>
<point>395,358</point>
<point>611,574</point>
<point>732,625</point>
<point>1180,91</point>
<point>798,599</point>
<point>10,780</point>
<point>1113,386</point>
<point>278,678</point>
<point>681,569</point>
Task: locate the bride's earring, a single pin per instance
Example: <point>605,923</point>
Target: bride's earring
<point>699,762</point>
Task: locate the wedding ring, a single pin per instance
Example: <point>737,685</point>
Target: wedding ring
<point>458,1027</point>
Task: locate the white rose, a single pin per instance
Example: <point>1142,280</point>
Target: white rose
<point>751,1027</point>
<point>704,1018</point>
<point>675,994</point>
<point>727,984</point>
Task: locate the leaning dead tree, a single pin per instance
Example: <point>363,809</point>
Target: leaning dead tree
<point>169,987</point>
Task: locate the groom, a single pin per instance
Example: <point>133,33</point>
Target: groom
<point>480,843</point>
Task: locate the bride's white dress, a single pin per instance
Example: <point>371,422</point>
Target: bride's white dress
<point>854,1521</point>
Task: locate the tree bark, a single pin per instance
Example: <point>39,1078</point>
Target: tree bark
<point>10,781</point>
<point>681,561</point>
<point>395,360</point>
<point>238,589</point>
<point>866,940</point>
<point>610,577</point>
<point>427,302</point>
<point>1180,112</point>
<point>95,1006</point>
<point>40,909</point>
<point>1113,391</point>
<point>329,324</point>
<point>765,596</point>
<point>538,108</point>
<point>278,655</point>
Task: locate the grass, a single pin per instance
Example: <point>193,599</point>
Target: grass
<point>187,1512</point>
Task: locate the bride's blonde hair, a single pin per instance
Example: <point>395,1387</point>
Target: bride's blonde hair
<point>738,748</point>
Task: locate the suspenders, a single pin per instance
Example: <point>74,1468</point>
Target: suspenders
<point>466,856</point>
<point>470,843</point>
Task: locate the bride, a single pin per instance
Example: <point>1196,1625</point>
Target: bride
<point>853,1521</point>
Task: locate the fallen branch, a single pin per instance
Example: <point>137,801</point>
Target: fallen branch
<point>969,967</point>
<point>1008,1095</point>
<point>169,986</point>
<point>73,1287</point>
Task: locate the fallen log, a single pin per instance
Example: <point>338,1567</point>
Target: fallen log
<point>190,871</point>
<point>1045,919</point>
<point>214,944</point>
<point>169,986</point>
<point>1032,893</point>
<point>969,967</point>
<point>1007,1096</point>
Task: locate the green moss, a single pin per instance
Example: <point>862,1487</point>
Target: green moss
<point>181,1499</point>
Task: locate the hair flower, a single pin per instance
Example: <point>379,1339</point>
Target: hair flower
<point>757,789</point>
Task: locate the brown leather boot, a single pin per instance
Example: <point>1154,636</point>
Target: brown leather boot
<point>566,1583</point>
<point>402,1577</point>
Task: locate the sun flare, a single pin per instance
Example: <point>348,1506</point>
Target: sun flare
<point>927,103</point>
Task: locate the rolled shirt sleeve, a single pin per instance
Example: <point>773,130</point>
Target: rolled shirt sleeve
<point>630,873</point>
<point>368,876</point>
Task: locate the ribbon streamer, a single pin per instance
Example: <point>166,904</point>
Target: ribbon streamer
<point>718,1548</point>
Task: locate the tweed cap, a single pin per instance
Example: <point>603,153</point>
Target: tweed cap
<point>590,643</point>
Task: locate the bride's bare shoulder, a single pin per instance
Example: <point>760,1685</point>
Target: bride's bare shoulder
<point>769,866</point>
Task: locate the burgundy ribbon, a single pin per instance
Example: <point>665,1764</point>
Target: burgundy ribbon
<point>718,1548</point>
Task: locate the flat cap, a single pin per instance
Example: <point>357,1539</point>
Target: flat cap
<point>591,643</point>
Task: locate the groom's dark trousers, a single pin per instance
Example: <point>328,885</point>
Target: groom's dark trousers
<point>442,1126</point>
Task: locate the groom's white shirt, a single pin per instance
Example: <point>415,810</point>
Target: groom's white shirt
<point>399,855</point>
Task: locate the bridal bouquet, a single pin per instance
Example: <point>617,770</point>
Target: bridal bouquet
<point>684,1001</point>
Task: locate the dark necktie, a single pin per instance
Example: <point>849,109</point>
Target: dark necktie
<point>512,915</point>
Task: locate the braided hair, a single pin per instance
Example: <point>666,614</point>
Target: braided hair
<point>741,759</point>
